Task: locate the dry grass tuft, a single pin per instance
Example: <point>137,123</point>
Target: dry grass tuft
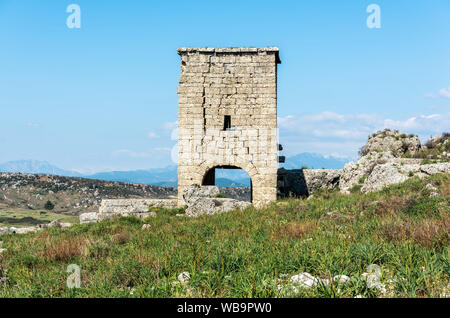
<point>121,238</point>
<point>429,233</point>
<point>295,230</point>
<point>63,249</point>
<point>392,205</point>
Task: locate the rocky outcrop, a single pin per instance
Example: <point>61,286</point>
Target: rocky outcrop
<point>392,141</point>
<point>392,173</point>
<point>383,162</point>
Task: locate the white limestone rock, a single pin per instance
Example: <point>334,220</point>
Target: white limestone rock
<point>184,277</point>
<point>211,206</point>
<point>91,217</point>
<point>381,176</point>
<point>392,141</point>
<point>133,207</point>
<point>195,191</point>
<point>341,279</point>
<point>304,280</point>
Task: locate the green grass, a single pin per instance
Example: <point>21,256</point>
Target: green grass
<point>247,253</point>
<point>26,218</point>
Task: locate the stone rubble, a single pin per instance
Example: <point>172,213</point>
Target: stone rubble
<point>33,229</point>
<point>202,201</point>
<point>133,207</point>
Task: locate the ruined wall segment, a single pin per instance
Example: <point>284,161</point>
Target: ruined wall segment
<point>228,116</point>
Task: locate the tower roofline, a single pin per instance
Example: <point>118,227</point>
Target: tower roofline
<point>232,50</point>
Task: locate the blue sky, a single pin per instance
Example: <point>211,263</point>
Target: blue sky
<point>103,97</point>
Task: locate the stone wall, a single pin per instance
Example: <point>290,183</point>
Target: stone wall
<point>304,182</point>
<point>132,207</point>
<point>228,117</point>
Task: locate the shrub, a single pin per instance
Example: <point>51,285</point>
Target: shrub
<point>363,151</point>
<point>49,205</point>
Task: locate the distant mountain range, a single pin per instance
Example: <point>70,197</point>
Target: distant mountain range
<point>168,176</point>
<point>314,161</point>
<point>36,167</point>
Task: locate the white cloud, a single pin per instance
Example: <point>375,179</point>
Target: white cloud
<point>421,125</point>
<point>33,125</point>
<point>163,149</point>
<point>445,92</point>
<point>131,153</point>
<point>430,96</point>
<point>153,135</point>
<point>343,134</point>
<point>170,125</point>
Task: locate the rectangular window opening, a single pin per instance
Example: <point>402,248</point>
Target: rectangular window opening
<point>227,122</point>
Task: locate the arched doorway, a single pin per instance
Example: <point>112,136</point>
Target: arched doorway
<point>229,177</point>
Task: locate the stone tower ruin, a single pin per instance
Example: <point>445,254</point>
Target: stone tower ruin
<point>228,117</point>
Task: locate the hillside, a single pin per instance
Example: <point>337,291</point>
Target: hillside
<point>403,230</point>
<point>73,196</point>
<point>70,195</point>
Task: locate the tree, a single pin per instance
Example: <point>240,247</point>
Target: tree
<point>49,205</point>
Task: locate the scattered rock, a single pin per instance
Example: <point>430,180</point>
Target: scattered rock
<point>202,201</point>
<point>372,278</point>
<point>304,280</point>
<point>2,250</point>
<point>55,223</point>
<point>446,292</point>
<point>341,279</point>
<point>194,192</point>
<point>133,207</point>
<point>184,277</point>
<point>25,230</point>
<point>211,206</point>
<point>146,227</point>
<point>91,217</point>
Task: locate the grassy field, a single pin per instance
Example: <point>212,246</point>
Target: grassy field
<point>26,218</point>
<point>248,253</point>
